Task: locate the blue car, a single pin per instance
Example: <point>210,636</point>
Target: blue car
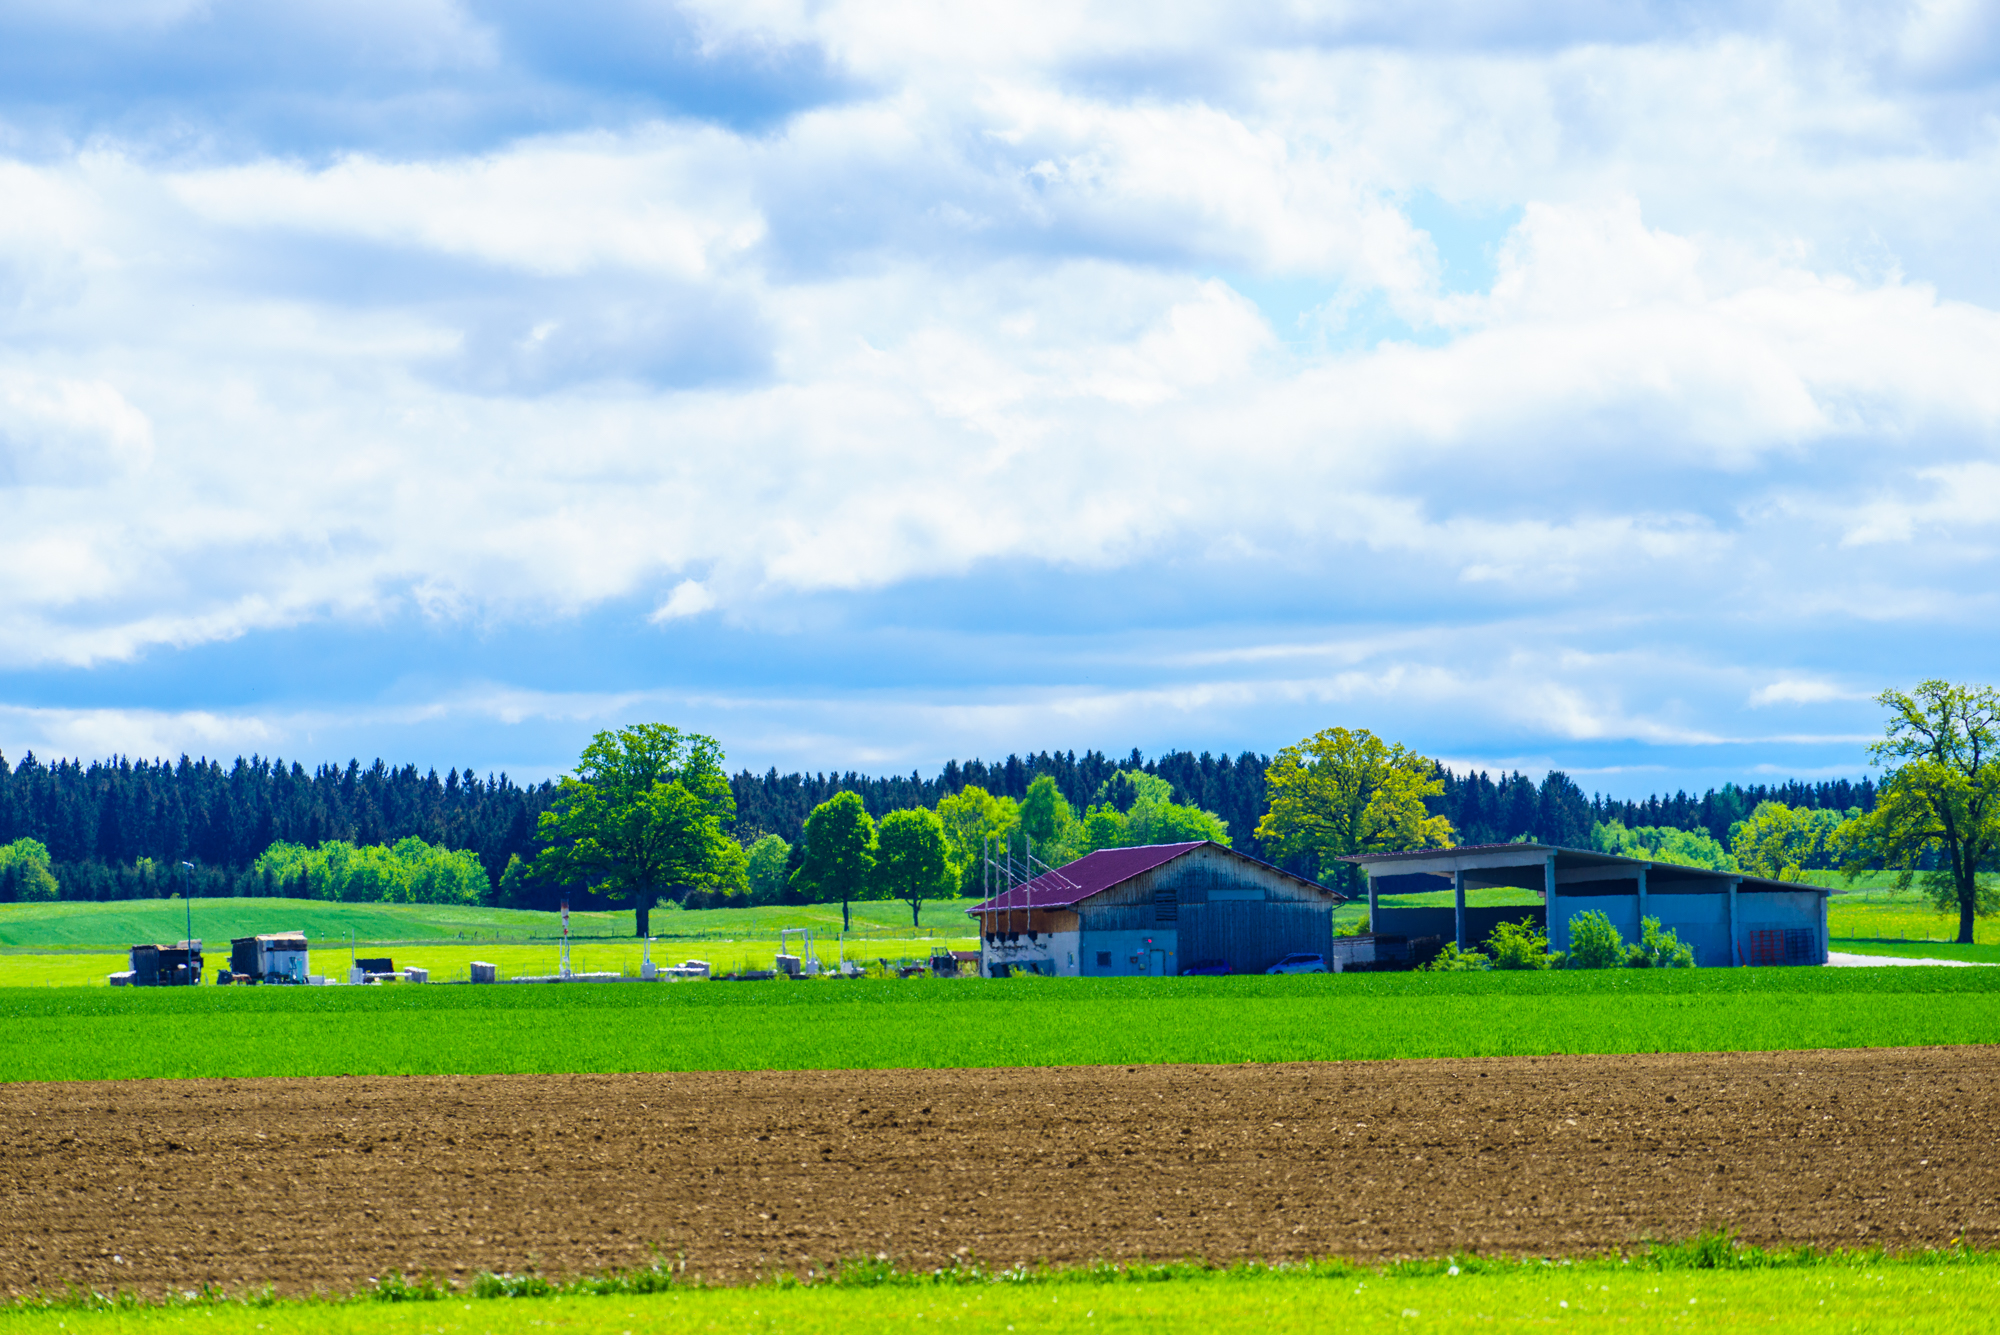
<point>1299,964</point>
<point>1206,969</point>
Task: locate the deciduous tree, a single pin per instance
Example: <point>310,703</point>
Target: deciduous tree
<point>642,815</point>
<point>1341,792</point>
<point>1939,800</point>
<point>840,854</point>
<point>910,859</point>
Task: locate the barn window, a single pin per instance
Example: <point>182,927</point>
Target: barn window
<point>1164,907</point>
<point>1103,959</point>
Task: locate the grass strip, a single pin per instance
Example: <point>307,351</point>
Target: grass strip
<point>100,1034</point>
<point>1711,1282</point>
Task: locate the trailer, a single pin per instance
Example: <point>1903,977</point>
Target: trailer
<point>271,957</point>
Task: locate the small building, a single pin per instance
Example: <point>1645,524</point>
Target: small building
<point>177,965</point>
<point>1154,910</point>
<point>1728,918</point>
<point>272,957</point>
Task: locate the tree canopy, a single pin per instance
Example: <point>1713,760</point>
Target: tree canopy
<point>910,859</point>
<point>1345,791</point>
<point>642,815</point>
<point>839,860</point>
<point>1939,799</point>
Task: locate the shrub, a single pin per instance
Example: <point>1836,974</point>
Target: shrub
<point>1453,960</point>
<point>1658,949</point>
<point>1519,945</point>
<point>1594,943</point>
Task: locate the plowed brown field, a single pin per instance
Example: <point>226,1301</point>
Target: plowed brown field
<point>318,1184</point>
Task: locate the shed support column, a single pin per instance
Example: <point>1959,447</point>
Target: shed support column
<point>1373,925</point>
<point>1642,902</point>
<point>1558,935</point>
<point>1735,941</point>
<point>1458,905</point>
<point>1824,944</point>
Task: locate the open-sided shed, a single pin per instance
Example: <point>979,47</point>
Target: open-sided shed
<point>1728,918</point>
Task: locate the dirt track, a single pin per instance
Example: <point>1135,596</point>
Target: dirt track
<point>320,1183</point>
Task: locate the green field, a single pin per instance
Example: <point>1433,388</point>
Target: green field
<point>118,1033</point>
<point>450,961</point>
<point>118,924</point>
<point>1936,1292</point>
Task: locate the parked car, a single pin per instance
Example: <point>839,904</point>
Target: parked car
<point>1299,964</point>
<point>1206,969</point>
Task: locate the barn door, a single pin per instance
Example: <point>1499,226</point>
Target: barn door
<point>1157,964</point>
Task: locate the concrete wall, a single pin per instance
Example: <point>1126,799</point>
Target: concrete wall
<point>1055,953</point>
<point>1622,909</point>
<point>1433,921</point>
<point>1121,946</point>
<point>1701,921</point>
<point>1780,910</point>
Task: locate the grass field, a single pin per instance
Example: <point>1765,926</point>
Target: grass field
<point>450,961</point>
<point>118,924</point>
<point>107,1033</point>
<point>1943,1292</point>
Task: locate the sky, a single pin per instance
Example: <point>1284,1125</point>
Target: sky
<point>1606,387</point>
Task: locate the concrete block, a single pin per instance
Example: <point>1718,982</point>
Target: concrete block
<point>482,972</point>
<point>412,974</point>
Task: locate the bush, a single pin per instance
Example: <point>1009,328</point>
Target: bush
<point>1453,960</point>
<point>1594,943</point>
<point>1658,949</point>
<point>1519,945</point>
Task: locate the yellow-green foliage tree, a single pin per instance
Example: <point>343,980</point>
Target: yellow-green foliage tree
<point>1940,798</point>
<point>25,874</point>
<point>1781,842</point>
<point>409,871</point>
<point>1662,843</point>
<point>1345,791</point>
<point>643,815</point>
<point>973,818</point>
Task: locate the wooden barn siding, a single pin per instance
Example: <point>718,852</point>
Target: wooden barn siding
<point>1251,934</point>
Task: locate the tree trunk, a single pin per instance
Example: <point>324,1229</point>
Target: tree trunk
<point>845,925</point>
<point>1965,907</point>
<point>643,904</point>
<point>916,908</point>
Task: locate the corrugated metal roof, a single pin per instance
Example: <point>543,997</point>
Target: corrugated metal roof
<point>1091,874</point>
<point>1094,873</point>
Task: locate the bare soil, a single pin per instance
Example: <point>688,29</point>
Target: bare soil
<point>320,1184</point>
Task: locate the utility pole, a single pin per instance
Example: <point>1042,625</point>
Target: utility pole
<point>187,871</point>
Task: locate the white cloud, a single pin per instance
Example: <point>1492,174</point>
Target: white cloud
<point>997,306</point>
<point>1801,691</point>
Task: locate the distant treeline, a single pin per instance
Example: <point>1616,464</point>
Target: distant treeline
<point>119,829</point>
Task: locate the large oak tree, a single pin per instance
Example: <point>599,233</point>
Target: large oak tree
<point>1940,800</point>
<point>643,815</point>
<point>1346,791</point>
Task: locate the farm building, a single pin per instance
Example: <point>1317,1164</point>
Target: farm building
<point>1727,917</point>
<point>1153,910</point>
<point>272,957</point>
<point>177,965</point>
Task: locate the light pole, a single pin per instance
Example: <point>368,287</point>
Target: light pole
<point>187,870</point>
